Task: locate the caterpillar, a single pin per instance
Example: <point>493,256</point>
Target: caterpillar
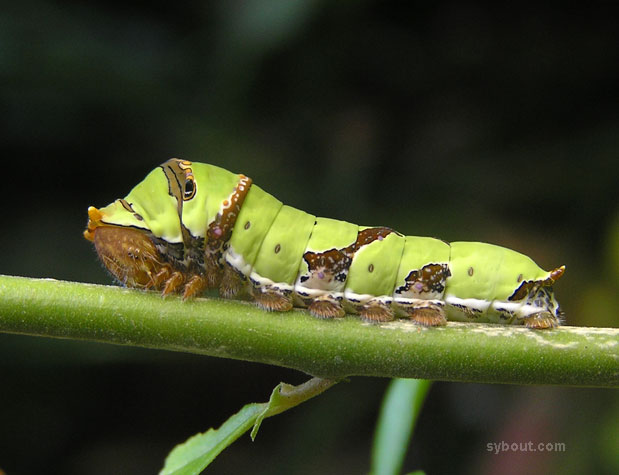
<point>191,226</point>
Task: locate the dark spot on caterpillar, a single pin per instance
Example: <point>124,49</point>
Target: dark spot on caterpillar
<point>341,277</point>
<point>277,248</point>
<point>304,278</point>
<point>470,271</point>
<point>190,189</point>
<point>126,205</point>
<point>519,279</point>
<point>247,225</point>
<point>371,268</point>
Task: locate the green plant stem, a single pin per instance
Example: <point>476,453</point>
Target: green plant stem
<point>569,356</point>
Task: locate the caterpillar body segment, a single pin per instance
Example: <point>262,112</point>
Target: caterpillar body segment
<point>191,226</point>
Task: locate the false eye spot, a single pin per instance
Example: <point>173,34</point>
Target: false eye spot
<point>247,225</point>
<point>190,188</point>
<point>371,268</point>
<point>277,248</point>
<point>470,272</point>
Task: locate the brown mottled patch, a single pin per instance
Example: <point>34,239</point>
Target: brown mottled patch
<point>430,278</point>
<point>530,286</point>
<point>367,236</point>
<point>524,289</point>
<point>333,263</point>
<point>219,231</point>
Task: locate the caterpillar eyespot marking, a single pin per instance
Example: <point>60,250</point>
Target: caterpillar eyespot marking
<point>191,226</point>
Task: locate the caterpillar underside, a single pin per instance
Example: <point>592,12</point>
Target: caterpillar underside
<point>191,226</point>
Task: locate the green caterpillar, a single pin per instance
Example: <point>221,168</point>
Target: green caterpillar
<point>191,226</point>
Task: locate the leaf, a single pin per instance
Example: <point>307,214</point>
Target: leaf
<point>286,396</point>
<point>194,455</point>
<point>269,407</point>
<point>399,412</point>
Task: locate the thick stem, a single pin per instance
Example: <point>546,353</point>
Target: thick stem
<point>569,356</point>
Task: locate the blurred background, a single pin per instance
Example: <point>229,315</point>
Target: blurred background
<point>446,119</point>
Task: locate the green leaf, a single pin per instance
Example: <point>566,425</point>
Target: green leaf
<point>286,396</point>
<point>399,412</point>
<point>194,455</point>
<point>274,402</point>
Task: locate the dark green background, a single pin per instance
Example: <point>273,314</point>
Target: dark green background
<point>496,124</point>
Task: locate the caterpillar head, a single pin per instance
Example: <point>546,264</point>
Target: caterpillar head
<point>127,253</point>
<point>126,231</point>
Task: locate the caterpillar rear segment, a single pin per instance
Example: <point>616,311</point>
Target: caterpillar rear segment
<point>191,226</point>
